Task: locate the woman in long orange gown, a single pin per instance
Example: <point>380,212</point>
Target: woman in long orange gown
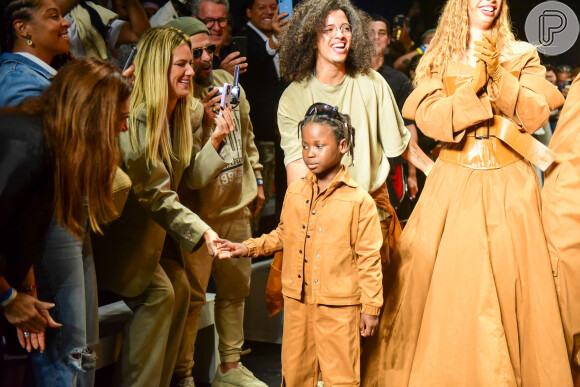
<point>561,217</point>
<point>469,297</point>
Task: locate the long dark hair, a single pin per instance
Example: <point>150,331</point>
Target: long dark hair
<point>80,117</point>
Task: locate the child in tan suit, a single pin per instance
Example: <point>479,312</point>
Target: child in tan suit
<point>331,275</point>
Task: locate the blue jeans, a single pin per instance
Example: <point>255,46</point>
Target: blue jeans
<point>66,277</point>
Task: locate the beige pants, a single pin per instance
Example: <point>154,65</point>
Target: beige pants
<point>153,334</point>
<point>232,279</point>
<point>320,338</point>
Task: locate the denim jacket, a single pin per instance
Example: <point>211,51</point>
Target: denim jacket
<point>20,78</point>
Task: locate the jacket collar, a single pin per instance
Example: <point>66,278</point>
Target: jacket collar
<point>342,177</point>
<point>7,57</point>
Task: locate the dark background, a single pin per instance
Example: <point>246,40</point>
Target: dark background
<point>430,11</point>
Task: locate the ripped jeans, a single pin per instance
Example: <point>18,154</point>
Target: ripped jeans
<point>65,276</point>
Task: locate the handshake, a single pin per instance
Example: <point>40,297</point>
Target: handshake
<point>227,249</point>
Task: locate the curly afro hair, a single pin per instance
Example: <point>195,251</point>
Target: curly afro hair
<point>299,38</point>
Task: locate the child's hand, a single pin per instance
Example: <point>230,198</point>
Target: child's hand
<point>368,324</point>
<point>227,249</point>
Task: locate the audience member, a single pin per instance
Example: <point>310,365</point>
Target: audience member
<point>33,35</point>
<point>95,30</point>
<point>134,259</point>
<point>214,13</point>
<point>403,62</point>
<point>59,152</point>
<point>400,86</point>
<point>551,75</point>
<point>263,85</point>
<point>223,205</point>
<point>169,11</point>
<point>564,78</point>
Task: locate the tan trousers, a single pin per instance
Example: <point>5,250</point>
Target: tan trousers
<point>232,279</point>
<point>153,334</point>
<point>320,338</point>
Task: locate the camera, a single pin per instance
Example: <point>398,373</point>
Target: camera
<point>234,91</point>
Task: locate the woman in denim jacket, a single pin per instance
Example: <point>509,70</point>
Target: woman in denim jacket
<point>34,36</point>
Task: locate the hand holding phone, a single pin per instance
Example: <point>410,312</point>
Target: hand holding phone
<point>285,6</point>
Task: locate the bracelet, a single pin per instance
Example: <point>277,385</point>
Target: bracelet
<point>260,181</point>
<point>8,297</point>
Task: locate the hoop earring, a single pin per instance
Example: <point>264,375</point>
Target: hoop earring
<point>29,40</point>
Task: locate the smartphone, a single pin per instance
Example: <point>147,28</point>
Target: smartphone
<point>285,6</point>
<point>130,58</point>
<point>226,96</point>
<point>398,24</point>
<point>399,21</point>
<point>240,43</point>
<point>567,83</point>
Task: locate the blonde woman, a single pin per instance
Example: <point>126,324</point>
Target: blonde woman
<point>472,299</point>
<point>134,258</point>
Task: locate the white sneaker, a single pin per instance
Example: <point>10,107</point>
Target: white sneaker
<point>236,377</point>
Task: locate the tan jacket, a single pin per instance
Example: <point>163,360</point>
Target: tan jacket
<point>337,233</point>
<point>128,253</point>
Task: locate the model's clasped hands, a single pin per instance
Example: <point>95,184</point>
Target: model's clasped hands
<point>487,52</point>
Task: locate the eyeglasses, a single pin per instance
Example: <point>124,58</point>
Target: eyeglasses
<point>198,52</point>
<point>322,109</point>
<point>331,29</point>
<point>209,22</point>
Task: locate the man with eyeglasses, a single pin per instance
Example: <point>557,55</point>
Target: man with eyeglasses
<point>215,15</point>
<point>223,204</point>
<point>264,86</point>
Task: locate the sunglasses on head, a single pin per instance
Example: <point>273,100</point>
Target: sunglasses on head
<point>198,52</point>
<point>323,109</point>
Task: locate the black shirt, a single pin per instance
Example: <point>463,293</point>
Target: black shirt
<point>26,194</point>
